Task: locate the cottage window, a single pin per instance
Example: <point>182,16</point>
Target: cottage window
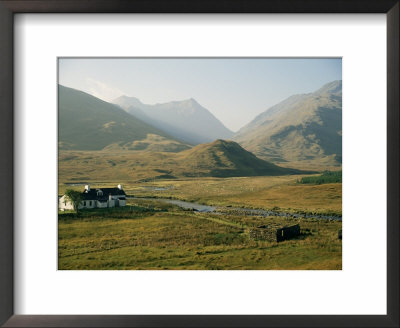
<point>84,203</point>
<point>90,203</point>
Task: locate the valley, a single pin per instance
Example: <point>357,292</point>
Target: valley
<point>195,190</point>
<point>267,193</point>
<point>153,234</point>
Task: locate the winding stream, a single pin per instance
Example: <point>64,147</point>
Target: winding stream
<point>236,210</point>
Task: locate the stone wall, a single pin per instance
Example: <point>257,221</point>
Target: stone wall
<point>264,233</point>
<point>273,233</point>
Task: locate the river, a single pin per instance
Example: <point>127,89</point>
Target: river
<point>237,210</point>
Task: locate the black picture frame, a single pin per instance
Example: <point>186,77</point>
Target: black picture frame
<point>10,7</point>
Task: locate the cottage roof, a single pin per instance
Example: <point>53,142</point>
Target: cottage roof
<point>93,194</point>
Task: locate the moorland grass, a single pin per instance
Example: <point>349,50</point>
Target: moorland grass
<point>279,193</point>
<point>148,234</point>
<point>175,239</point>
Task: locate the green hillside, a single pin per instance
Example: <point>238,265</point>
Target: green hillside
<point>217,159</point>
<point>223,158</point>
<point>302,128</point>
<point>152,143</point>
<point>88,123</point>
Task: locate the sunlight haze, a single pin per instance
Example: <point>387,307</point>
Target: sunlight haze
<point>234,90</point>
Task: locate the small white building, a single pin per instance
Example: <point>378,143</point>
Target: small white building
<point>96,198</point>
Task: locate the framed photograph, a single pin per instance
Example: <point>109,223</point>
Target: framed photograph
<point>191,191</point>
<point>182,163</point>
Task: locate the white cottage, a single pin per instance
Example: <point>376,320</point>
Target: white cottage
<point>96,198</point>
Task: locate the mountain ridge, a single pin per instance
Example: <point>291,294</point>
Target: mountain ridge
<point>186,120</point>
<point>89,123</point>
<point>305,127</point>
<point>226,158</point>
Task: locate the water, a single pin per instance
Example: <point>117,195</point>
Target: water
<point>183,204</point>
<point>155,188</point>
<point>188,205</point>
<point>76,183</point>
<point>237,210</point>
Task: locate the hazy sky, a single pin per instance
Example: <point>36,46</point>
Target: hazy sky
<point>234,90</point>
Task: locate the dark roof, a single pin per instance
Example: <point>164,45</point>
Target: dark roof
<point>112,191</point>
<point>92,194</point>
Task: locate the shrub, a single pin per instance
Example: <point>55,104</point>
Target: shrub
<point>326,177</point>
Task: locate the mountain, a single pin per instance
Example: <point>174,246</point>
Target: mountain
<point>185,120</point>
<point>305,127</point>
<point>152,143</point>
<point>220,158</point>
<point>223,158</point>
<point>88,123</point>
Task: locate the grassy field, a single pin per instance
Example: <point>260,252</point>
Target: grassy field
<point>281,192</point>
<point>153,235</point>
<point>150,234</point>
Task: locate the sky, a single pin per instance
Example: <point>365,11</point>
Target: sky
<point>235,90</point>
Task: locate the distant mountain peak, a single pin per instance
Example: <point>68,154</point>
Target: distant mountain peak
<point>127,101</point>
<point>186,103</point>
<point>192,101</point>
<point>330,87</point>
<point>127,97</point>
<point>305,127</point>
<point>185,120</point>
<point>89,123</point>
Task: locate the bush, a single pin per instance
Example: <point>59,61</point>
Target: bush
<point>326,177</point>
